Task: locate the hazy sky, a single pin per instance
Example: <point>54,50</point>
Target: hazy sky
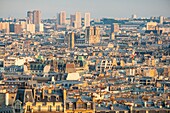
<point>97,8</point>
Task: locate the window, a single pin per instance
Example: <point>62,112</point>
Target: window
<point>17,107</point>
<point>79,106</point>
<point>53,103</point>
<point>57,108</point>
<point>49,98</point>
<point>39,108</point>
<point>38,98</point>
<point>57,98</point>
<point>50,108</point>
<point>28,108</point>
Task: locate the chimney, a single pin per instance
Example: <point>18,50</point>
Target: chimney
<point>106,104</point>
<point>111,107</point>
<point>64,94</point>
<point>145,104</point>
<point>98,105</point>
<point>133,72</point>
<point>131,108</point>
<point>130,71</point>
<point>93,97</point>
<point>155,104</point>
<point>64,98</point>
<point>49,90</point>
<point>6,99</point>
<point>43,93</point>
<point>34,92</point>
<point>53,80</point>
<point>167,105</point>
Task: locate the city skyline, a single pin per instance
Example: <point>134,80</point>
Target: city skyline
<point>97,8</point>
<point>91,56</point>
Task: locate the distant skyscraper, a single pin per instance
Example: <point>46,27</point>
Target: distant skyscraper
<point>36,17</point>
<point>161,19</point>
<point>62,18</point>
<point>92,35</point>
<point>72,19</point>
<point>30,17</point>
<point>71,40</point>
<point>87,20</point>
<point>134,16</point>
<point>78,20</point>
<point>114,28</point>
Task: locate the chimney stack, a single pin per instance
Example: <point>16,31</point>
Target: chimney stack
<point>111,107</point>
<point>145,104</point>
<point>6,98</point>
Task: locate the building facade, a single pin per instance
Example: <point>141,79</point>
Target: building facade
<point>92,35</point>
<point>114,28</point>
<point>71,40</point>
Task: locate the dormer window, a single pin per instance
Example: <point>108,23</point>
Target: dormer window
<point>57,98</point>
<point>49,98</point>
<point>38,98</point>
<point>50,108</point>
<point>70,105</point>
<point>58,108</point>
<point>88,105</point>
<point>79,105</point>
<point>28,108</point>
<point>17,106</point>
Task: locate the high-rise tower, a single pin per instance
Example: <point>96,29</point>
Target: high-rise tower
<point>30,17</point>
<point>36,17</point>
<point>61,18</point>
<point>87,20</point>
<point>78,20</point>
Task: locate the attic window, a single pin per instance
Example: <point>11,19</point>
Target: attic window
<point>70,105</point>
<point>38,98</point>
<point>88,105</point>
<point>49,98</point>
<point>57,98</point>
